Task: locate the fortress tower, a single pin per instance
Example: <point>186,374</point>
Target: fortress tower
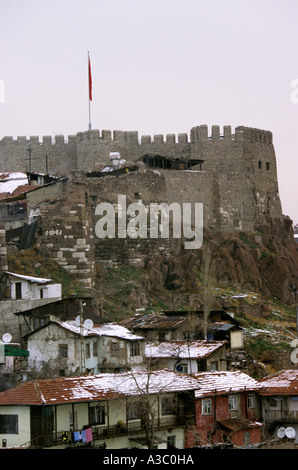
<point>233,174</point>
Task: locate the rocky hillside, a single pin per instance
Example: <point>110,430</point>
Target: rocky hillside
<point>252,275</point>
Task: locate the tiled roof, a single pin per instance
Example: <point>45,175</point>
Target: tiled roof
<point>284,382</point>
<point>237,424</point>
<point>24,188</point>
<point>63,390</point>
<point>183,349</point>
<point>222,382</point>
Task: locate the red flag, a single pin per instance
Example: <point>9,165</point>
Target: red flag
<point>90,82</point>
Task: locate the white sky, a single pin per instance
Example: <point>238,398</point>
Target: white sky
<point>158,67</point>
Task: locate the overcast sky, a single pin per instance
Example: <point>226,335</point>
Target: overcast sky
<point>158,67</point>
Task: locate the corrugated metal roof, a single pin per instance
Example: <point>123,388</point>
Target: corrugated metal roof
<point>220,326</point>
<point>182,349</point>
<point>63,390</point>
<point>39,280</point>
<point>284,382</point>
<point>221,382</point>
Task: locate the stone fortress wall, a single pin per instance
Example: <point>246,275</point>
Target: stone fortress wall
<point>237,184</point>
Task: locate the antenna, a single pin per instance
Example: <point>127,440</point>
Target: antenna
<point>290,432</point>
<point>281,432</point>
<point>88,324</point>
<point>6,338</point>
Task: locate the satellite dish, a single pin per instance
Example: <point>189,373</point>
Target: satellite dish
<point>281,432</point>
<point>6,338</point>
<point>78,321</point>
<point>88,324</point>
<point>290,432</point>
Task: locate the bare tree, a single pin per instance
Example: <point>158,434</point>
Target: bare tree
<point>207,287</point>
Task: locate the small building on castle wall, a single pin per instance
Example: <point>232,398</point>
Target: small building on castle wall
<point>22,287</point>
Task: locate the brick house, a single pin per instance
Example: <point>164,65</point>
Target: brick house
<point>228,410</point>
<point>280,403</point>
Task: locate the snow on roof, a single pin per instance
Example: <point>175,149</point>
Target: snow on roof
<point>108,329</point>
<point>10,181</point>
<point>284,382</point>
<point>224,382</point>
<point>182,349</point>
<point>39,280</point>
<point>62,390</point>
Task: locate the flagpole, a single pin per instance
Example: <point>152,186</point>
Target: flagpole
<point>89,91</point>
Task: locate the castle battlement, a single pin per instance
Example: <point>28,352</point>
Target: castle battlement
<point>197,134</point>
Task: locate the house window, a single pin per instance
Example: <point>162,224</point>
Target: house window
<point>233,402</point>
<point>171,442</point>
<point>95,348</point>
<point>97,415</point>
<point>135,348</point>
<point>168,406</point>
<point>87,351</point>
<point>9,424</point>
<point>18,290</point>
<point>267,166</point>
<point>63,350</point>
<point>161,336</point>
<point>214,365</point>
<point>251,400</point>
<point>133,410</point>
<point>115,349</point>
<point>37,322</point>
<point>259,164</point>
<point>274,402</point>
<point>183,368</point>
<point>207,406</point>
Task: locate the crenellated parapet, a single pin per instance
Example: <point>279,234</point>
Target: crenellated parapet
<point>90,149</point>
<point>197,134</point>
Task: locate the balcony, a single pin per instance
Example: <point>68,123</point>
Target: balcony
<point>281,415</point>
<point>137,427</point>
<point>105,432</point>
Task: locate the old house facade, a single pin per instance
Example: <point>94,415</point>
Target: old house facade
<point>68,348</point>
<point>228,410</point>
<point>187,356</point>
<point>280,403</point>
<point>112,411</point>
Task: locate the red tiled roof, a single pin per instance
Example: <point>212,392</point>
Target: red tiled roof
<point>237,424</point>
<point>223,382</point>
<point>24,188</point>
<point>284,382</point>
<point>63,390</point>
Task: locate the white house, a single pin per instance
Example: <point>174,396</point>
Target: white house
<point>112,411</point>
<point>187,356</point>
<point>66,348</point>
<point>24,287</point>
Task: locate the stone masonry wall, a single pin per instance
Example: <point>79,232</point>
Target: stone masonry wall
<point>238,185</point>
<point>65,232</point>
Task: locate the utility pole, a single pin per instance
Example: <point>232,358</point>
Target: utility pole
<point>82,348</point>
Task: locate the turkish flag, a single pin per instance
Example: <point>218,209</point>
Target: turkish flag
<point>90,82</point>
